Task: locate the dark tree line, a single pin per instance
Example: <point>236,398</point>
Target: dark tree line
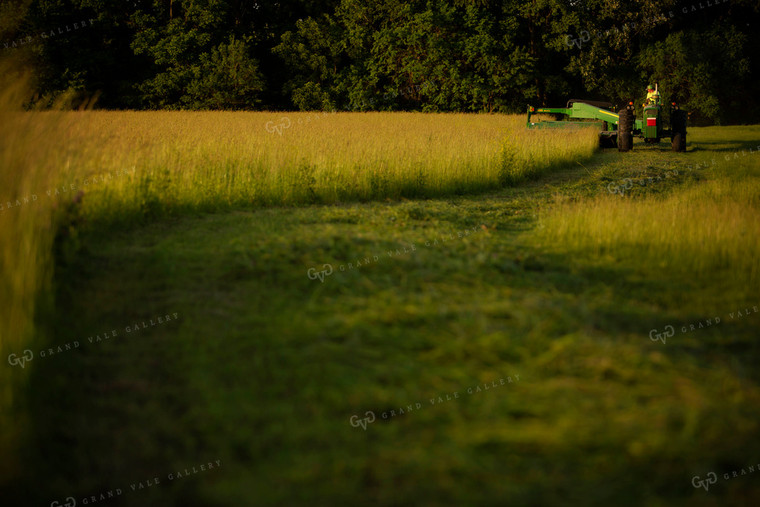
<point>435,55</point>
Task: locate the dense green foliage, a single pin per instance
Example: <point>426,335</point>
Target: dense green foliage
<point>435,55</point>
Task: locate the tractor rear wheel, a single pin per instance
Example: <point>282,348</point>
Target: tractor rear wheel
<point>625,130</point>
<point>678,142</point>
<point>678,127</point>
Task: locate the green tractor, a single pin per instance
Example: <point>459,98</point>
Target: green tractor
<point>617,129</point>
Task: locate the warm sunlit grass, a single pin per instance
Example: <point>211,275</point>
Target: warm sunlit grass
<point>214,159</point>
<point>708,228</point>
<point>143,165</point>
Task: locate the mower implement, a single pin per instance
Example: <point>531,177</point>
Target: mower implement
<point>616,129</point>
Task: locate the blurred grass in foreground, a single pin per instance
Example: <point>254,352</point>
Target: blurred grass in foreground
<point>27,163</point>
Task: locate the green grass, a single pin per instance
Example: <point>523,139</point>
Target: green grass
<point>265,367</point>
<point>64,173</point>
<point>705,231</point>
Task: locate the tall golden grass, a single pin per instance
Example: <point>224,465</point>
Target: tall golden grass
<point>215,159</point>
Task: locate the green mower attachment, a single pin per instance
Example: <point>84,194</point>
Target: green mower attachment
<point>615,129</point>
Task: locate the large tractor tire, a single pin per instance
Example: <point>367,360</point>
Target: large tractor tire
<point>625,130</point>
<point>678,127</point>
<point>676,142</point>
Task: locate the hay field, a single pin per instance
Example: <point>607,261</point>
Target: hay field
<point>63,172</point>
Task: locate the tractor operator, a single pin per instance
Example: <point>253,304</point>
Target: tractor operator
<point>653,95</point>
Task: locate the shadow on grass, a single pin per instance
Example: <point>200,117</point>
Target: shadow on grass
<point>269,366</point>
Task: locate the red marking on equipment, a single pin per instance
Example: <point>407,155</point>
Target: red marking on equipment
<point>651,122</point>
